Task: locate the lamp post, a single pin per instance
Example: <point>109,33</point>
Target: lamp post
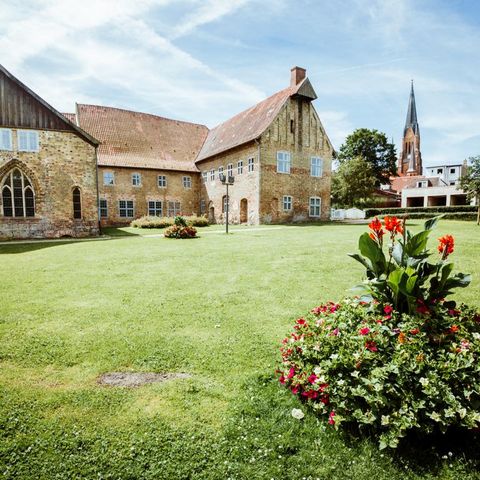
<point>226,180</point>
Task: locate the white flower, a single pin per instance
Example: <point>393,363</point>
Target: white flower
<point>297,413</point>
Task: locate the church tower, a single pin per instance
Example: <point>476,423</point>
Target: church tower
<point>410,160</point>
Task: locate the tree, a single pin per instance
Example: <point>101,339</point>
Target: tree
<point>470,183</point>
<point>374,147</point>
<point>353,182</point>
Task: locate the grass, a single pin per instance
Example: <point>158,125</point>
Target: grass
<point>216,307</point>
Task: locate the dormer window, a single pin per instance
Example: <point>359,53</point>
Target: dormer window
<point>422,184</point>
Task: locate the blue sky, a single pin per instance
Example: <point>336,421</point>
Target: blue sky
<point>206,60</point>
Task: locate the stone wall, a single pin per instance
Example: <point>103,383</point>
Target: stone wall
<point>64,161</point>
<point>298,130</point>
<point>244,194</point>
<point>148,190</point>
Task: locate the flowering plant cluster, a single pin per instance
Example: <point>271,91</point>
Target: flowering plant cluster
<point>398,358</point>
<point>180,229</point>
<point>404,277</point>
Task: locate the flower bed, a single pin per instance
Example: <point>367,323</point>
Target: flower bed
<point>180,229</point>
<point>399,357</point>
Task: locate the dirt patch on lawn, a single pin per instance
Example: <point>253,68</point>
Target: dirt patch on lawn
<point>130,379</point>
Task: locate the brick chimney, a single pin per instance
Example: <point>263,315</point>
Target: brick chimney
<point>297,75</point>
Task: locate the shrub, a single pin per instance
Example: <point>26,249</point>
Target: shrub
<point>374,212</point>
<point>179,231</point>
<point>163,222</point>
<point>195,221</point>
<point>398,358</point>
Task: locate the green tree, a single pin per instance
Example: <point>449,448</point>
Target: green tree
<point>374,147</point>
<point>470,183</point>
<point>353,182</point>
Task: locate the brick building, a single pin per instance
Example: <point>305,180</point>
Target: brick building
<point>277,151</point>
<point>48,178</point>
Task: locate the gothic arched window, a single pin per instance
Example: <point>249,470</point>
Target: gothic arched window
<point>77,203</point>
<point>18,197</point>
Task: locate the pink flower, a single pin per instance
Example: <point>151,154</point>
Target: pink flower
<point>291,373</point>
<point>387,309</point>
<point>331,417</point>
<point>364,331</point>
<point>334,333</point>
<point>282,379</point>
<point>294,389</point>
<point>325,399</point>
<point>312,378</point>
<point>371,345</point>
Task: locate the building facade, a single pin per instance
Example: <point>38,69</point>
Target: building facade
<point>48,177</point>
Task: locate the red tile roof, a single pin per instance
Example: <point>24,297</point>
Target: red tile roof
<point>141,140</point>
<point>399,183</point>
<point>72,117</point>
<point>249,124</point>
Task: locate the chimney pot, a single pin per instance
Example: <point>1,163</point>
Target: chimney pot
<point>297,75</point>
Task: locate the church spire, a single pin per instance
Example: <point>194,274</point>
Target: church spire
<point>411,120</point>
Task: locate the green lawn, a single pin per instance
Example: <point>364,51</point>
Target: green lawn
<point>216,307</point>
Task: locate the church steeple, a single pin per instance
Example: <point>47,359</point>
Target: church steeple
<point>410,161</point>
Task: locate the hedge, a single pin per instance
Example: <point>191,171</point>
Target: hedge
<point>163,222</point>
<point>374,212</point>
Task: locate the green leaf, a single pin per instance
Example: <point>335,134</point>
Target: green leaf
<point>397,253</point>
<point>364,261</point>
<point>394,280</point>
<point>417,244</point>
<point>370,249</point>
<point>431,223</point>
<point>446,271</point>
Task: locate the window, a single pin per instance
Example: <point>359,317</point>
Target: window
<point>155,208</point>
<point>18,198</point>
<point>422,184</point>
<point>292,125</point>
<point>173,209</point>
<point>28,141</point>
<point>204,176</point>
<point>452,170</point>
<point>315,207</point>
<point>230,170</point>
<point>203,207</point>
<point>283,162</point>
<point>251,164</point>
<point>212,175</point>
<point>220,171</point>
<point>187,182</point>
<point>108,178</point>
<point>224,203</point>
<point>316,167</point>
<point>125,208</point>
<point>162,181</point>
<point>136,179</point>
<point>239,167</point>
<point>103,208</point>
<point>5,139</point>
<point>77,203</point>
<point>287,203</point>
<point>439,170</point>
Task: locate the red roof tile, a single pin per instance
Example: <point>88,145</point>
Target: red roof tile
<point>72,117</point>
<point>249,124</point>
<point>141,140</point>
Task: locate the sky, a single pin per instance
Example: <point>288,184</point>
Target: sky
<point>206,60</point>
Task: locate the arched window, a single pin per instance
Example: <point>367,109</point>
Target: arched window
<point>18,197</point>
<point>77,203</point>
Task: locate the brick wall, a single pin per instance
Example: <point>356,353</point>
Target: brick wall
<point>148,190</point>
<point>64,161</point>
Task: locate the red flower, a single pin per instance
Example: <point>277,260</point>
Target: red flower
<point>325,399</point>
<point>294,389</point>
<point>371,345</point>
<point>393,225</point>
<point>323,386</point>
<point>454,329</point>
<point>364,331</point>
<point>291,373</point>
<point>377,232</point>
<point>422,308</point>
<point>415,331</point>
<point>282,379</point>
<point>453,312</point>
<point>312,378</point>
<point>301,321</point>
<point>331,417</point>
<point>446,245</point>
<point>387,309</point>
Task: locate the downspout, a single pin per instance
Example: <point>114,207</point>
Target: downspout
<point>98,193</point>
<point>258,178</point>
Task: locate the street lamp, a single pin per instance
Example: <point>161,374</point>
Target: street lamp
<point>226,180</point>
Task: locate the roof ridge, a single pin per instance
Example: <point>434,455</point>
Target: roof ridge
<point>143,113</point>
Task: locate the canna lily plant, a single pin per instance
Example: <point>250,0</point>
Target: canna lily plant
<point>400,273</point>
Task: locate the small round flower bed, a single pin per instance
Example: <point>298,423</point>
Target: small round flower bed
<point>397,358</point>
<point>180,229</point>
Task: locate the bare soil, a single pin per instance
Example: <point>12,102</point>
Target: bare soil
<point>132,379</point>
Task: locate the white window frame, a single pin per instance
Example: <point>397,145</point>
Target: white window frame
<point>316,167</point>
<point>251,164</point>
<point>284,161</point>
<point>128,208</point>
<point>203,206</point>
<point>162,181</point>
<point>287,203</point>
<point>315,203</point>
<point>240,167</point>
<point>136,179</point>
<point>212,175</point>
<point>6,142</point>
<point>155,208</point>
<point>103,209</point>
<point>112,182</point>
<point>28,141</point>
<point>187,182</point>
<point>174,208</point>
<point>205,176</point>
<point>230,170</point>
